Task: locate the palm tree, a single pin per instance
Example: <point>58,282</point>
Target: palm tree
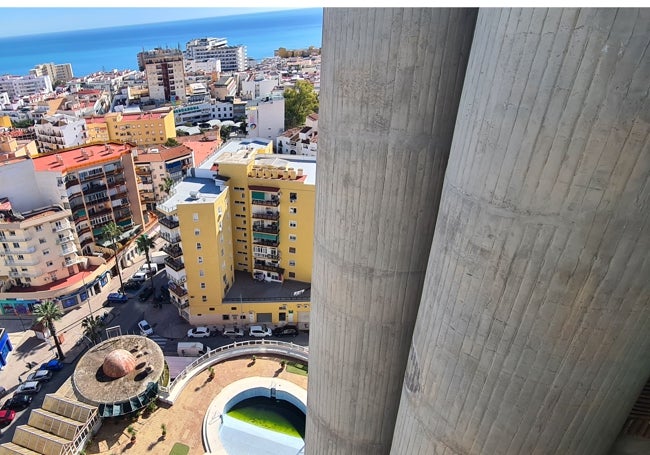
<point>48,312</point>
<point>144,243</point>
<point>166,185</point>
<point>93,326</point>
<point>112,231</point>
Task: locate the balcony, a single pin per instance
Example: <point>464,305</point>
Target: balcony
<point>269,268</point>
<point>90,176</point>
<point>271,256</point>
<point>173,250</point>
<point>273,243</point>
<point>180,291</point>
<point>116,181</point>
<point>24,274</point>
<point>20,249</point>
<point>174,264</point>
<point>266,215</point>
<point>113,170</point>
<point>93,188</point>
<point>71,182</point>
<point>83,230</point>
<point>87,241</point>
<point>64,239</point>
<point>61,226</point>
<point>169,223</point>
<point>68,250</point>
<point>20,262</point>
<point>268,229</point>
<point>273,202</point>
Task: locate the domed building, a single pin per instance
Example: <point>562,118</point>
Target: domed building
<point>119,375</point>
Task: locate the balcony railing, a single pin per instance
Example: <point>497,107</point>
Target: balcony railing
<point>169,223</point>
<point>266,242</point>
<point>20,249</point>
<point>267,216</point>
<point>269,268</point>
<point>65,239</point>
<point>174,264</point>
<point>173,250</point>
<point>271,229</point>
<point>271,256</point>
<point>93,188</point>
<point>267,202</point>
<point>71,182</point>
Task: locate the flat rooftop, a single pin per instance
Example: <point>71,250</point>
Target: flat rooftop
<point>80,157</point>
<point>246,289</point>
<point>206,190</point>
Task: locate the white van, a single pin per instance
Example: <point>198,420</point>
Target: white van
<point>139,276</point>
<point>190,349</point>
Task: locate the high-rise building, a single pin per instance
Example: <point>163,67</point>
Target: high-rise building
<point>232,58</point>
<point>256,210</point>
<point>524,316</point>
<point>165,74</point>
<point>20,86</point>
<point>56,72</point>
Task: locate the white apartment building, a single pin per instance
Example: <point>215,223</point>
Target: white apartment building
<point>56,72</point>
<point>233,58</point>
<point>265,117</point>
<point>211,65</point>
<point>38,246</point>
<point>258,85</point>
<point>204,111</point>
<point>19,86</point>
<point>59,131</point>
<point>165,73</point>
<point>298,141</point>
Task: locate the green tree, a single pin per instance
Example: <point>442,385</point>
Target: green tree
<point>93,326</point>
<point>111,232</point>
<point>171,142</point>
<point>48,312</point>
<point>299,102</point>
<point>144,244</point>
<point>166,185</point>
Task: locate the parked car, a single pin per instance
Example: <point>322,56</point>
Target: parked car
<point>117,297</point>
<point>132,285</point>
<point>52,365</point>
<point>198,332</point>
<point>6,416</point>
<point>259,331</point>
<point>40,376</point>
<point>286,331</point>
<point>29,388</point>
<point>18,402</point>
<point>145,294</point>
<point>233,332</point>
<point>139,276</point>
<point>145,328</point>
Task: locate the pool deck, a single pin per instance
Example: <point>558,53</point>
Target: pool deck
<point>184,420</point>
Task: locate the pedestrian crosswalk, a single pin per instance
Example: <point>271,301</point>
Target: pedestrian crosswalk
<point>161,341</point>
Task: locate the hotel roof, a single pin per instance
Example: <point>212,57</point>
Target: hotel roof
<point>81,157</point>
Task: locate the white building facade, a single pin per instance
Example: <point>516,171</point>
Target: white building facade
<point>19,86</point>
<point>233,58</point>
<point>265,117</point>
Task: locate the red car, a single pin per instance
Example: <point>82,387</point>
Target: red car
<point>6,416</point>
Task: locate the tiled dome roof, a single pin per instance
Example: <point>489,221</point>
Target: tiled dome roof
<point>118,363</point>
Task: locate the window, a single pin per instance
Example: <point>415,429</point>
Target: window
<point>292,275</point>
<point>293,224</point>
<point>225,317</point>
<point>243,316</point>
<point>198,245</point>
<point>200,258</point>
<point>197,231</point>
<point>293,210</point>
<point>292,237</point>
<point>201,272</point>
<point>292,250</point>
<point>17,245</point>
<point>292,263</point>
<point>204,298</point>
<point>46,252</point>
<point>202,285</point>
<point>282,316</point>
<point>39,228</point>
<point>293,197</point>
<point>41,241</point>
<point>195,216</point>
<point>49,263</point>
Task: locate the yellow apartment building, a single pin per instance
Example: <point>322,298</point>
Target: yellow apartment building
<point>142,128</point>
<point>263,274</point>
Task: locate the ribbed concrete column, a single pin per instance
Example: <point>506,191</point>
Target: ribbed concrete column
<point>391,83</point>
<point>533,332</point>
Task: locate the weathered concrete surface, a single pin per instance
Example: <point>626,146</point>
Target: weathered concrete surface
<point>532,333</point>
<point>391,83</point>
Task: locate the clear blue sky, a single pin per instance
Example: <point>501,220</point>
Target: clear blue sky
<point>36,19</point>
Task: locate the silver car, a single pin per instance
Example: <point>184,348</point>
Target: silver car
<point>28,388</point>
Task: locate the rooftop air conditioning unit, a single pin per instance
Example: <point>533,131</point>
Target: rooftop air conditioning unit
<point>194,194</point>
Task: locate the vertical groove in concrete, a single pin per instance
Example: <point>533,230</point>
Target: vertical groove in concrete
<point>391,83</point>
<point>532,333</point>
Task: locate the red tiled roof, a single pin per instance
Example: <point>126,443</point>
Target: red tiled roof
<point>73,159</point>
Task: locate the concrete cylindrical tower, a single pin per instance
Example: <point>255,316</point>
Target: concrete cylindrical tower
<point>532,336</point>
<point>391,83</point>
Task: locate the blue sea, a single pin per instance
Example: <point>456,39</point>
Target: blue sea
<point>117,47</point>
